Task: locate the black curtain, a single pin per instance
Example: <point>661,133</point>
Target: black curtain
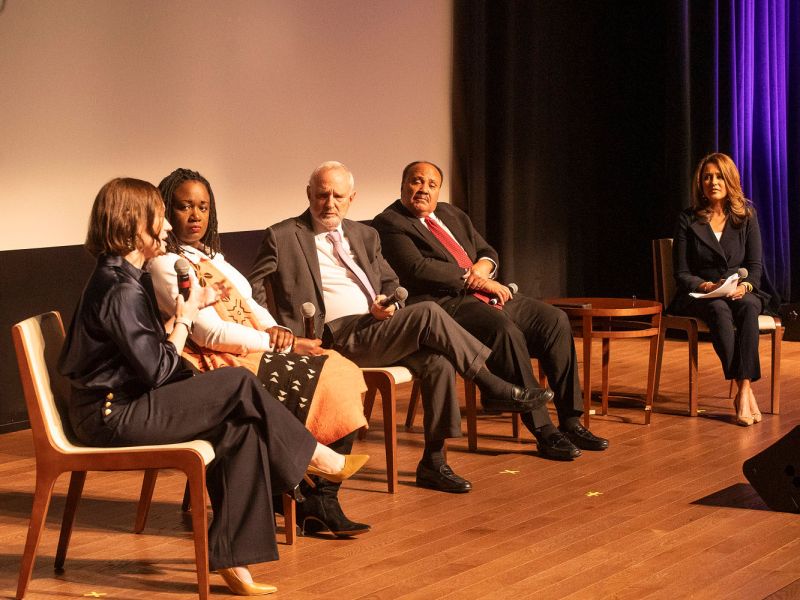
<point>577,126</point>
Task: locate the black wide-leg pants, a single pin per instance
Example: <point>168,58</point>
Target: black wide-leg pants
<point>260,447</point>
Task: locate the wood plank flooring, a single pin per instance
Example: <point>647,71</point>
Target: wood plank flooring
<point>664,513</point>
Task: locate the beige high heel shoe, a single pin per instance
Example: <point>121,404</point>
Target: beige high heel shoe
<point>244,588</point>
<point>744,421</point>
<point>754,408</point>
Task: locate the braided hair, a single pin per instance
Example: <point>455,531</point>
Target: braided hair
<point>167,187</point>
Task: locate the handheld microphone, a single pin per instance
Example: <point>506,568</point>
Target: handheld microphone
<point>308,310</point>
<point>400,294</point>
<point>184,283</point>
<point>511,286</point>
<point>742,273</point>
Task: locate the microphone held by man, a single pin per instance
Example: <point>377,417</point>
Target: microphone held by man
<point>511,286</point>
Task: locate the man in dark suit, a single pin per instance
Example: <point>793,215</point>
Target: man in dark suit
<point>336,264</point>
<point>440,256</point>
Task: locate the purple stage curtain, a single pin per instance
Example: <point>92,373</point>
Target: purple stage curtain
<point>752,100</point>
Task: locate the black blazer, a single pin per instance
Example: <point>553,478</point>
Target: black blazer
<point>424,265</point>
<point>287,260</point>
<point>697,256</point>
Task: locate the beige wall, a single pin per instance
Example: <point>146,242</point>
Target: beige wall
<point>253,94</point>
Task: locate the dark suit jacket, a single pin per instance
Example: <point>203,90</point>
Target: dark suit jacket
<point>698,257</point>
<point>287,260</point>
<point>425,266</point>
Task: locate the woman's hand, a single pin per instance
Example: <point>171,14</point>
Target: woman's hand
<point>199,298</point>
<point>738,293</point>
<point>307,346</point>
<point>280,339</point>
<point>710,286</point>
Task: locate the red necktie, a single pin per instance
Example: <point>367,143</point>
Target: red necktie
<point>454,248</point>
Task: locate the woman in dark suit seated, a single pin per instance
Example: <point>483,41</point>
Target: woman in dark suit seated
<point>129,388</point>
<point>715,238</point>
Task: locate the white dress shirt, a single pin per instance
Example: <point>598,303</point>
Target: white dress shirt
<point>341,292</point>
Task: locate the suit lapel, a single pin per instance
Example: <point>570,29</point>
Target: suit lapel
<point>706,235</point>
<point>426,234</point>
<point>305,237</point>
<point>461,235</point>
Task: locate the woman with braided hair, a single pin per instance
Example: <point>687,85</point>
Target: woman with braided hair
<point>322,388</point>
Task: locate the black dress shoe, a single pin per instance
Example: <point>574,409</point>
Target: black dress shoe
<point>320,512</point>
<point>556,446</point>
<point>583,438</point>
<point>521,400</point>
<point>442,479</point>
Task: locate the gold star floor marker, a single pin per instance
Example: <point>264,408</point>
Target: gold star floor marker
<point>509,472</point>
<point>593,494</point>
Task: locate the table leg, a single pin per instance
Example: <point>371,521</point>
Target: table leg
<point>652,367</point>
<point>606,358</point>
<point>587,369</point>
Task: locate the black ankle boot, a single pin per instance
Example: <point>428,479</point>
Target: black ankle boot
<point>322,512</point>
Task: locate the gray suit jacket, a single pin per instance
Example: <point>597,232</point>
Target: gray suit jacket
<point>287,262</point>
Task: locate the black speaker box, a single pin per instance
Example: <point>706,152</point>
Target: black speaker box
<point>775,473</point>
<point>790,319</point>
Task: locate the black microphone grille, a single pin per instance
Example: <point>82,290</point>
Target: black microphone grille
<point>182,267</point>
<point>308,310</point>
<point>401,294</point>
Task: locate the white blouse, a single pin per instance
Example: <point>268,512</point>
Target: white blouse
<point>210,330</point>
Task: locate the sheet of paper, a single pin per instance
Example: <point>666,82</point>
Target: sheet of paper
<point>726,288</point>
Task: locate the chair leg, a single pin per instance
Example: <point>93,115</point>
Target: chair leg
<point>662,334</point>
<point>41,502</point>
<point>730,389</point>
<point>604,378</point>
<point>384,385</point>
<point>76,482</point>
<point>390,433</point>
<point>197,486</point>
<point>413,405</point>
<point>691,334</point>
<point>515,426</point>
<point>146,498</point>
<point>289,518</point>
<point>186,505</point>
<point>775,391</point>
<point>369,402</point>
<point>470,400</point>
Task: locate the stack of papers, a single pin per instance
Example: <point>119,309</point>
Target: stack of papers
<point>726,288</point>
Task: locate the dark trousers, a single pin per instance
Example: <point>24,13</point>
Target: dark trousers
<point>526,328</point>
<point>260,447</point>
<point>734,333</point>
<point>425,339</point>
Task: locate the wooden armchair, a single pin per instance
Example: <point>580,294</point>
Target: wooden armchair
<point>37,342</point>
<point>665,290</point>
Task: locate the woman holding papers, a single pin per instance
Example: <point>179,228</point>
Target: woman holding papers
<point>715,238</point>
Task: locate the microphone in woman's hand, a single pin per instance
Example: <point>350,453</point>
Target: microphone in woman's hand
<point>184,283</point>
<point>742,272</point>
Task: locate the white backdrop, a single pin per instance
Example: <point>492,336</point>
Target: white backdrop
<point>253,94</point>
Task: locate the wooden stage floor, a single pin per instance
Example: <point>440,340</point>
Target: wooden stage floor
<point>664,513</point>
